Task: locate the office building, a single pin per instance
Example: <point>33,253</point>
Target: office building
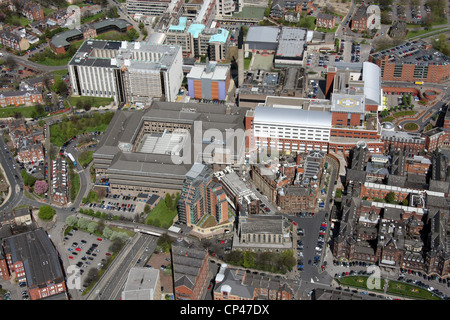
<point>209,81</point>
<point>151,152</point>
<point>133,73</point>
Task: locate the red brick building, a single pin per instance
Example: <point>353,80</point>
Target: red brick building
<point>324,20</point>
<point>359,19</point>
<point>190,271</point>
<point>414,61</point>
<point>41,272</point>
<point>17,98</point>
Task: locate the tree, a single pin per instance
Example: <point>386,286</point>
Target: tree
<point>71,221</point>
<point>46,213</point>
<point>92,227</point>
<point>169,201</point>
<point>83,223</point>
<point>390,197</point>
<point>107,232</point>
<point>40,187</point>
<point>165,242</point>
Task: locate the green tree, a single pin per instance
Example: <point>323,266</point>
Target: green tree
<point>92,227</point>
<point>169,201</point>
<point>46,213</point>
<point>147,209</point>
<point>107,232</point>
<point>71,221</point>
<point>83,223</point>
<point>165,242</point>
<point>249,259</point>
<point>390,197</point>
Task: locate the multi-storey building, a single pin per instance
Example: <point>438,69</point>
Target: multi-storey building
<point>11,40</point>
<point>128,72</point>
<point>29,151</point>
<point>190,271</point>
<point>406,231</point>
<point>324,20</point>
<point>42,272</point>
<point>359,19</point>
<point>236,284</point>
<point>151,152</point>
<point>209,81</point>
<point>21,97</point>
<point>150,7</point>
<point>412,61</point>
<point>197,40</point>
<point>201,196</point>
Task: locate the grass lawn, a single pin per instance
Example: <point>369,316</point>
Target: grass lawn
<point>9,111</point>
<point>328,30</point>
<point>74,184</point>
<point>247,61</point>
<point>414,33</point>
<point>95,101</point>
<point>394,287</point>
<point>411,126</point>
<point>404,289</point>
<point>405,113</point>
<point>358,282</point>
<point>113,35</point>
<point>58,74</point>
<point>85,158</point>
<point>161,216</point>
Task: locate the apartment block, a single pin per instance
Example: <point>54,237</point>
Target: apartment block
<point>201,196</point>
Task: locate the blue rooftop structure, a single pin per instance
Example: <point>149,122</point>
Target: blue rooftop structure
<point>221,36</point>
<point>195,29</point>
<point>181,25</point>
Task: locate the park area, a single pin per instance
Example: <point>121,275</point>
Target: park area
<point>164,212</point>
<point>394,288</point>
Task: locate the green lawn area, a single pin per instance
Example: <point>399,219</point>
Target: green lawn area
<point>411,126</point>
<point>58,74</point>
<point>247,61</point>
<point>96,16</point>
<point>161,216</point>
<point>414,33</point>
<point>10,111</point>
<point>74,183</point>
<point>394,287</point>
<point>85,158</point>
<point>94,101</point>
<point>328,30</point>
<point>404,289</point>
<point>388,119</point>
<point>405,113</point>
<point>358,282</point>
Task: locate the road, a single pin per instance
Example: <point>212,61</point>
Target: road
<point>11,174</point>
<point>110,285</point>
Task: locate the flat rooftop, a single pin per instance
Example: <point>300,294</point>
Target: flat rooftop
<point>348,103</point>
<point>414,52</point>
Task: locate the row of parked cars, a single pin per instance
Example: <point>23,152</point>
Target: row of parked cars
<point>424,286</point>
<point>300,232</point>
<point>125,207</point>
